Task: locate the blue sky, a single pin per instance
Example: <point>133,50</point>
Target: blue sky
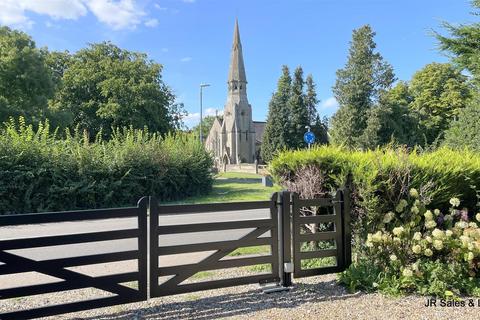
<point>192,38</point>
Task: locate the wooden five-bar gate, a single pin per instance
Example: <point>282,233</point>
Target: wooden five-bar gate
<point>293,230</point>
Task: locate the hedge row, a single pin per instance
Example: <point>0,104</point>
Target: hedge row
<point>382,177</point>
<point>41,172</point>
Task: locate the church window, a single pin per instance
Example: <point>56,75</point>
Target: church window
<point>235,87</point>
<point>240,87</point>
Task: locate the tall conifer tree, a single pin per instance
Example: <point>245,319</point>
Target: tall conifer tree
<point>276,133</point>
<point>319,127</point>
<point>298,111</point>
<point>359,85</point>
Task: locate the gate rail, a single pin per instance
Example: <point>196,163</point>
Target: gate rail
<point>221,249</point>
<point>280,231</point>
<point>14,263</point>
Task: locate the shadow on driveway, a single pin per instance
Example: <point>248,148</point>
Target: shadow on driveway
<point>229,305</point>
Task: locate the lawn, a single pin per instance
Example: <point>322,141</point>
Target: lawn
<point>234,186</point>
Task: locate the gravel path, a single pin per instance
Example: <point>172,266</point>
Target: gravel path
<point>311,298</point>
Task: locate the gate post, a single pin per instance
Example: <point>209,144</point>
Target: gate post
<point>285,234</point>
<point>153,237</point>
<point>347,231</point>
<point>143,204</point>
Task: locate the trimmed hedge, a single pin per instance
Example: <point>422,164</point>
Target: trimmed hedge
<point>382,177</point>
<point>41,172</point>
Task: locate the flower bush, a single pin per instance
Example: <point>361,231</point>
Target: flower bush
<point>419,250</point>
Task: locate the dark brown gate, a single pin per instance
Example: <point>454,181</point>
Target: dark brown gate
<point>319,241</point>
<point>292,228</point>
<point>167,280</point>
<point>59,267</point>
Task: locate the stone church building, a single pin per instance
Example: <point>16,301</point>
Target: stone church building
<point>236,138</point>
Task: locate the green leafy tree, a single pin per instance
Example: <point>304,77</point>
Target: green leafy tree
<point>275,137</point>
<point>207,124</point>
<point>465,132</point>
<point>299,114</point>
<point>439,92</point>
<point>105,86</point>
<point>358,86</point>
<point>25,81</point>
<point>463,44</point>
<point>390,120</point>
<point>57,62</point>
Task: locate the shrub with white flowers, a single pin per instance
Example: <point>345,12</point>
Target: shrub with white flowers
<point>419,250</point>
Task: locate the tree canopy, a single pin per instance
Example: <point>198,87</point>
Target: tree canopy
<point>105,86</point>
<point>462,43</point>
<point>358,87</point>
<point>439,92</point>
<point>276,135</point>
<point>25,82</point>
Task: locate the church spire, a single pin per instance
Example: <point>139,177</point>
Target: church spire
<point>237,69</point>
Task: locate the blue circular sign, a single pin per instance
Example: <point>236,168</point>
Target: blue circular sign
<point>309,137</point>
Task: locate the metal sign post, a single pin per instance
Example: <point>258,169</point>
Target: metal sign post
<point>309,137</point>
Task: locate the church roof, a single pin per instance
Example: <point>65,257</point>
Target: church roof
<point>259,127</point>
<point>237,68</point>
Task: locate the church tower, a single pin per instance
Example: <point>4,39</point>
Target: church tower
<point>239,129</point>
<point>232,141</point>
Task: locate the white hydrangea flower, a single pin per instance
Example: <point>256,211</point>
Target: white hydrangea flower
<point>407,272</point>
<point>428,252</point>
<point>461,224</point>
<point>469,256</point>
<point>429,239</point>
<point>448,233</point>
<point>415,210</point>
<point>430,224</point>
<point>455,202</point>
<point>388,217</point>
<point>398,231</point>
<point>401,205</point>
<point>417,236</point>
<point>465,240</point>
<point>438,244</point>
<point>436,212</point>
<point>416,249</point>
<point>472,225</point>
<point>377,237</point>
<point>428,215</point>
<point>478,217</point>
<point>393,257</point>
<point>414,193</point>
<point>437,233</point>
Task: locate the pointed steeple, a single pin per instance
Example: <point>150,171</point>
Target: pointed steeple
<point>237,69</point>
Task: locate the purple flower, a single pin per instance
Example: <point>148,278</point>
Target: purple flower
<point>440,219</point>
<point>464,215</point>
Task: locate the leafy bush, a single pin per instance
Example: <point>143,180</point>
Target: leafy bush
<point>41,172</point>
<point>382,179</point>
<point>419,250</point>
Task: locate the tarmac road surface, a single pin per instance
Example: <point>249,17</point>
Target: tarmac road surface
<point>64,251</point>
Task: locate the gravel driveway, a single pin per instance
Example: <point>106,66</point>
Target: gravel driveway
<point>311,298</point>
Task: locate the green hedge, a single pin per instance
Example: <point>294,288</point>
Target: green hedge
<point>41,172</point>
<point>382,177</point>
<point>416,220</point>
